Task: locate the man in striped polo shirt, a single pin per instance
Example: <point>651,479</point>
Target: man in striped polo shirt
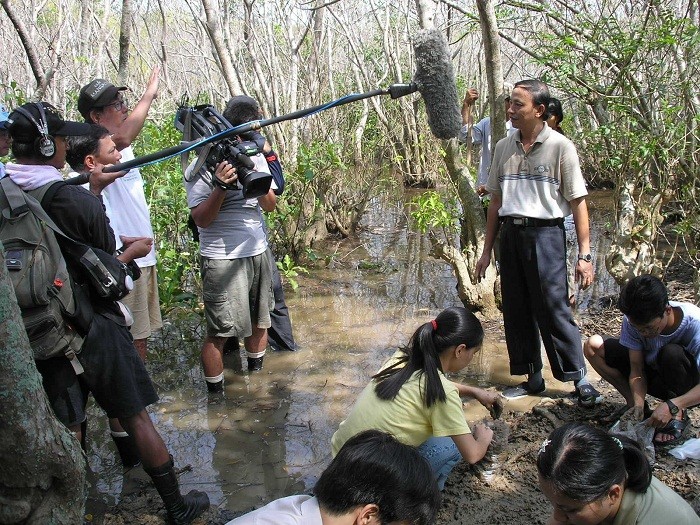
<point>535,181</point>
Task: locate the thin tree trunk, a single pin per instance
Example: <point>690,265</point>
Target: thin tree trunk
<point>124,42</point>
<point>27,43</point>
<point>211,11</point>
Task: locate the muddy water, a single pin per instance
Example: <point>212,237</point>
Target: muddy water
<point>268,435</point>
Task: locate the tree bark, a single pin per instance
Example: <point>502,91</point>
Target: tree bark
<point>27,43</point>
<point>42,473</point>
<point>211,12</point>
<point>124,42</point>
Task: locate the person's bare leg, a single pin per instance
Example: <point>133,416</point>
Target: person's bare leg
<point>213,363</point>
<point>255,345</point>
<point>212,355</point>
<point>141,347</point>
<point>594,350</point>
<point>150,445</point>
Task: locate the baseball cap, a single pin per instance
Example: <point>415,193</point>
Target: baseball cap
<point>4,115</point>
<point>97,94</point>
<point>22,129</point>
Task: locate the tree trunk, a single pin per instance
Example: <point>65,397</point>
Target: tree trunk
<point>27,43</point>
<point>213,16</point>
<point>124,42</point>
<point>494,73</point>
<point>42,474</point>
<point>632,250</point>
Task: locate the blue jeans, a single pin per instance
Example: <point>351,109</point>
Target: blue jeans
<point>442,455</point>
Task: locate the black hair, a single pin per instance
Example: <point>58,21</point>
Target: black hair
<point>241,109</point>
<point>82,146</point>
<point>455,326</point>
<point>539,91</point>
<point>643,298</point>
<point>23,150</point>
<point>373,467</point>
<point>554,108</point>
<point>583,462</point>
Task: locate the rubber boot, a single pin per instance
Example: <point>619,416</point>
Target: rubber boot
<point>126,446</point>
<point>182,510</point>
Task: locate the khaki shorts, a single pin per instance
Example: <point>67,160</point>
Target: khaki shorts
<point>237,293</point>
<point>144,303</point>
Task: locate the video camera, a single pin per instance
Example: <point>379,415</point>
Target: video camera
<point>204,121</point>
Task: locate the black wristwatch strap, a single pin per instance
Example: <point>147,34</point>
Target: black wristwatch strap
<point>672,407</point>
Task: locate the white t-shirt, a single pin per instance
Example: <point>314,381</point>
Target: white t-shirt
<point>293,510</point>
<point>126,207</point>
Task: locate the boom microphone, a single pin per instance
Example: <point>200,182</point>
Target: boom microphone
<point>436,82</point>
<point>434,79</point>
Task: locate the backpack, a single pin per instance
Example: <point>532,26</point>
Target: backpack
<point>38,271</point>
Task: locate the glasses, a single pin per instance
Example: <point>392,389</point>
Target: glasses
<point>118,105</point>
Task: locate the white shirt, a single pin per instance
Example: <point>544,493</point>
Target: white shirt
<point>126,207</point>
<point>293,510</point>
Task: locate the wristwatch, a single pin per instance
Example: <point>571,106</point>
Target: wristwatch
<point>587,257</point>
<point>672,407</point>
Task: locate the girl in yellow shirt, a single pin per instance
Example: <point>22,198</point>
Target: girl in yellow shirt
<point>412,399</point>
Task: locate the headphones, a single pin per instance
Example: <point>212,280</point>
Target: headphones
<point>44,145</point>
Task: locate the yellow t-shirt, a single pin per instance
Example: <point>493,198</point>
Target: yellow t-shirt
<point>405,417</point>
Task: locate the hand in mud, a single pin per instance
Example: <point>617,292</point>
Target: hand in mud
<point>496,408</point>
<point>492,401</point>
<point>482,433</point>
<point>660,416</point>
<point>633,414</point>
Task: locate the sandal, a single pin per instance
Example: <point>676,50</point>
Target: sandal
<point>674,428</point>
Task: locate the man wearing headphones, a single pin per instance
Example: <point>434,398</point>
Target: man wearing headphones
<point>101,102</point>
<point>112,369</point>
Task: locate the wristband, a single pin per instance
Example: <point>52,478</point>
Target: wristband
<point>217,182</point>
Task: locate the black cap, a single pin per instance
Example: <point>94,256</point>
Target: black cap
<point>23,130</point>
<point>97,94</point>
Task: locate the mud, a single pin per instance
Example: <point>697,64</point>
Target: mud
<point>268,435</point>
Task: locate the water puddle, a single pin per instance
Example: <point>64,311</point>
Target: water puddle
<point>268,435</point>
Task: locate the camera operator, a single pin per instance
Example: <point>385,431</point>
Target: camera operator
<point>279,335</point>
<point>234,260</point>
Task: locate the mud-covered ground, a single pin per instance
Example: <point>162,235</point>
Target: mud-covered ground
<point>502,488</point>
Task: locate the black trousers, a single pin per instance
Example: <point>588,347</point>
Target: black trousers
<point>279,335</point>
<point>673,374</point>
<point>535,302</point>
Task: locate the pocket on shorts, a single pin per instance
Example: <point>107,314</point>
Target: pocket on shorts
<point>218,312</point>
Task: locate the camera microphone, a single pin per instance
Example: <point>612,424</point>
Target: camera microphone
<point>435,80</point>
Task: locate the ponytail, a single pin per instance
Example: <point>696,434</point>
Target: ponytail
<point>636,464</point>
<point>583,462</point>
<point>452,327</point>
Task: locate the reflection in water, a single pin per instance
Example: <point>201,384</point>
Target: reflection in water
<point>269,435</point>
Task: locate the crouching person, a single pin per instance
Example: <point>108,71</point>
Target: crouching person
<point>658,353</point>
<point>108,365</point>
<point>373,480</point>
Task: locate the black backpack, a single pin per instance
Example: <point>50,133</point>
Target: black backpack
<point>38,271</point>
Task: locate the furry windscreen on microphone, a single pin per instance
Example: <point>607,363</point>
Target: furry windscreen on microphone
<point>436,82</point>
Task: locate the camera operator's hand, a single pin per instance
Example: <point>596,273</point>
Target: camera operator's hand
<point>226,174</point>
<point>134,248</point>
